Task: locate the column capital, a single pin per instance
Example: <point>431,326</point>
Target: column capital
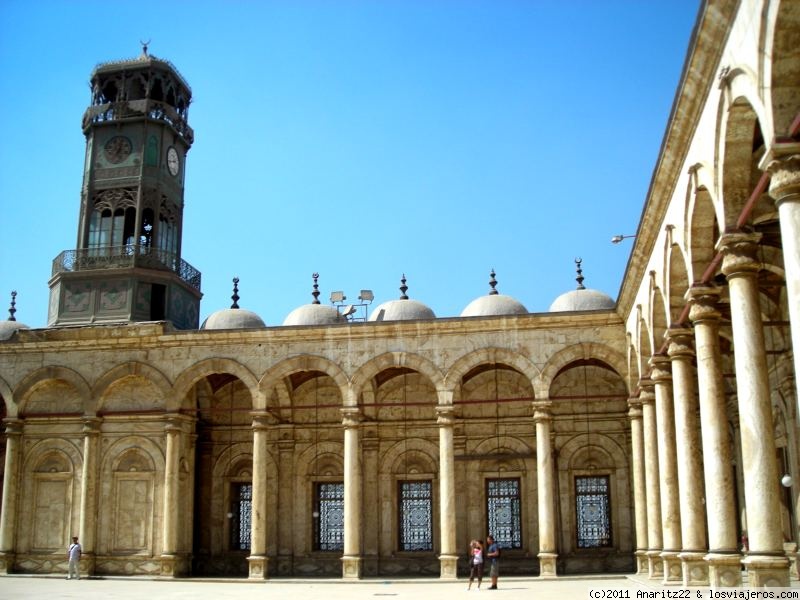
<point>445,416</point>
<point>173,422</point>
<point>647,393</point>
<point>739,253</point>
<point>261,420</point>
<point>542,410</point>
<point>783,165</point>
<point>703,301</point>
<point>634,408</point>
<point>660,368</point>
<point>351,416</point>
<point>680,343</point>
<point>14,426</point>
<point>91,425</point>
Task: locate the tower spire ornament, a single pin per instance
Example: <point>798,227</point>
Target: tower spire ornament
<point>144,48</point>
<point>580,277</point>
<point>12,308</point>
<point>315,293</point>
<point>492,284</point>
<point>235,296</point>
<point>403,288</point>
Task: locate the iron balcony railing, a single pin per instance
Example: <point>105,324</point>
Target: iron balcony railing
<point>133,109</point>
<point>124,257</point>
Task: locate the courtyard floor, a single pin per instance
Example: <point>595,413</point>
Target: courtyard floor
<point>29,587</point>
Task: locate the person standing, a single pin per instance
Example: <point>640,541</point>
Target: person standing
<point>475,563</point>
<point>493,554</point>
<point>74,558</point>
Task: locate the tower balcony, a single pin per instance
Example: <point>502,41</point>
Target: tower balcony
<point>125,257</point>
<point>138,109</point>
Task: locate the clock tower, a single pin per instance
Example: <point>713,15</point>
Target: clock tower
<point>127,265</point>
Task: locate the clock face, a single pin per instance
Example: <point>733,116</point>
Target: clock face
<point>117,149</point>
<point>173,161</point>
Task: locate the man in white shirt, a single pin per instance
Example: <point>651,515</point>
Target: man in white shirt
<point>74,557</point>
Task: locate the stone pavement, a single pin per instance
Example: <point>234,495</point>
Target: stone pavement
<point>28,587</point>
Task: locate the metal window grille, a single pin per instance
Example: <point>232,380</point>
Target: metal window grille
<point>503,512</point>
<point>242,515</point>
<point>329,517</point>
<point>593,512</point>
<point>416,516</point>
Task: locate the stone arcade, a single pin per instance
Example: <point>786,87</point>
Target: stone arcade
<point>650,434</point>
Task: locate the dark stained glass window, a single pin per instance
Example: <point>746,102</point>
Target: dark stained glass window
<point>241,515</point>
<point>416,516</point>
<point>329,517</point>
<point>503,512</point>
<point>593,512</point>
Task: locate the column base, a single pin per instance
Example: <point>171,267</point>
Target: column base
<point>724,570</point>
<point>173,565</point>
<point>257,567</point>
<point>767,571</point>
<point>655,564</point>
<point>448,566</point>
<point>87,564</point>
<point>641,562</point>
<point>351,567</point>
<point>547,564</point>
<point>6,563</point>
<point>673,571</point>
<point>790,548</point>
<point>694,568</point>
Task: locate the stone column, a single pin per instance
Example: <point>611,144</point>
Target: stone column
<point>639,489</point>
<point>8,516</point>
<point>171,564</point>
<point>690,467</point>
<point>447,494</point>
<point>766,563</point>
<point>351,560</point>
<point>545,487</point>
<point>286,494</point>
<point>258,562</point>
<point>784,186</point>
<point>724,560</point>
<point>667,468</point>
<point>655,564</point>
<point>88,516</point>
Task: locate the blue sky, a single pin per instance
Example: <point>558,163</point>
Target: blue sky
<point>362,140</point>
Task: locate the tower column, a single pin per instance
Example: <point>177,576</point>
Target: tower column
<point>172,564</point>
<point>8,515</point>
<point>351,560</point>
<point>784,186</point>
<point>639,489</point>
<point>723,559</point>
<point>667,468</point>
<point>766,563</point>
<point>88,516</point>
<point>655,564</point>
<point>545,486</point>
<point>690,470</point>
<point>447,493</point>
<point>258,561</point>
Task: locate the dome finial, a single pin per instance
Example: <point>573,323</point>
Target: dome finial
<point>144,47</point>
<point>315,293</point>
<point>235,296</point>
<point>403,288</point>
<point>492,284</point>
<point>579,278</point>
<point>11,309</point>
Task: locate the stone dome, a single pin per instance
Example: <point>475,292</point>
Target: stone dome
<point>582,298</point>
<point>402,309</point>
<point>9,328</point>
<point>233,318</point>
<point>314,314</point>
<point>494,304</point>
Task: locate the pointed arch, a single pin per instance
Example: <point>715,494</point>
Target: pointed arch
<point>779,53</point>
<point>389,360</point>
<point>579,352</point>
<point>489,355</point>
<point>82,400</point>
<point>271,380</point>
<point>701,222</point>
<point>186,380</point>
